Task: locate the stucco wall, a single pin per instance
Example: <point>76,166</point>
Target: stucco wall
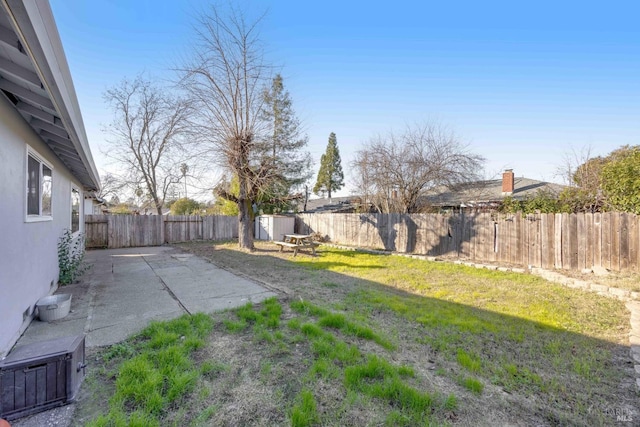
<point>28,250</point>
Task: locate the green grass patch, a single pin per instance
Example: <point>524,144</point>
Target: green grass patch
<point>470,362</point>
<point>377,378</point>
<point>235,325</point>
<point>305,413</point>
<point>341,322</point>
<point>472,384</point>
<point>157,371</point>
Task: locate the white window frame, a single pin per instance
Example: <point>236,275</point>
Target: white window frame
<point>32,217</point>
<point>80,210</point>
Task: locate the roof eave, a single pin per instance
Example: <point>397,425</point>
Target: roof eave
<point>43,45</point>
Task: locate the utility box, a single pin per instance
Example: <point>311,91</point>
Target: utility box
<point>40,376</point>
<point>273,227</point>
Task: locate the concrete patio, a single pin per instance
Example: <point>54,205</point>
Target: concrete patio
<point>127,288</point>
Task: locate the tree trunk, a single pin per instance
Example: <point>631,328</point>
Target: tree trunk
<point>158,205</point>
<point>245,237</point>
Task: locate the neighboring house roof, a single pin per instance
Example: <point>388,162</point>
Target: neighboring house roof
<point>483,192</point>
<point>35,78</point>
<point>333,205</point>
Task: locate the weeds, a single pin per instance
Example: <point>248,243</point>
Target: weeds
<point>156,372</point>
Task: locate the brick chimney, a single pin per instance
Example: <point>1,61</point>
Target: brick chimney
<point>507,182</point>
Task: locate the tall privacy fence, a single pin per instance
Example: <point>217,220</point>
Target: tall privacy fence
<point>567,241</point>
<point>123,231</point>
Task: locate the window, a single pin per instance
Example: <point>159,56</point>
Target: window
<point>39,188</point>
<point>75,210</point>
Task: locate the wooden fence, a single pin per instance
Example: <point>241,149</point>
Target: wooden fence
<point>566,241</point>
<point>123,231</point>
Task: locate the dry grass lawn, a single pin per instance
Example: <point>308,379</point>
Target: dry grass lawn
<point>360,339</point>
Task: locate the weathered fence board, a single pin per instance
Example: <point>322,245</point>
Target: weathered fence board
<point>96,231</point>
<point>567,241</point>
<point>123,231</point>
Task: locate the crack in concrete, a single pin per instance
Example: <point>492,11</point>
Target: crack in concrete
<point>166,287</point>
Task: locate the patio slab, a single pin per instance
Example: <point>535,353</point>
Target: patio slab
<point>127,288</point>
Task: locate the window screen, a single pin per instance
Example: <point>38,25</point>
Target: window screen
<point>46,191</point>
<point>33,187</point>
<point>75,210</point>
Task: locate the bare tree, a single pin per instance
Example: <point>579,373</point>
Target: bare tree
<point>225,79</point>
<point>583,175</point>
<point>111,186</point>
<point>394,170</point>
<point>184,168</point>
<point>146,136</point>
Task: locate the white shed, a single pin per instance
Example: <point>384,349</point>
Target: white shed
<point>273,227</point>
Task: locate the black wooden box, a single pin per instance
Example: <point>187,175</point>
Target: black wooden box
<point>39,376</point>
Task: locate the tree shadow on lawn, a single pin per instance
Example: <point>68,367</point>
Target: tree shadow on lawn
<point>533,372</point>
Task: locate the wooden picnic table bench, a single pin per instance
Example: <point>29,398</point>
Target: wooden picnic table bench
<point>296,242</point>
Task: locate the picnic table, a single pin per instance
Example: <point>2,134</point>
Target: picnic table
<point>296,242</point>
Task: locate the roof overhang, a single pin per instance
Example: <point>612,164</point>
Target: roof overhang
<point>35,78</point>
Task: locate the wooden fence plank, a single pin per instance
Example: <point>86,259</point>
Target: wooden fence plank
<point>573,241</point>
<point>589,240</point>
<point>546,253</point>
<point>624,241</point>
<point>557,240</point>
<point>633,242</point>
<point>615,241</point>
<point>597,239</point>
<point>606,240</point>
<point>566,244</point>
<point>581,230</point>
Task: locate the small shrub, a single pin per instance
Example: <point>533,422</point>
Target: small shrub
<point>70,257</point>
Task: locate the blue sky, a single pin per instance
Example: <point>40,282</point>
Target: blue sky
<point>523,85</point>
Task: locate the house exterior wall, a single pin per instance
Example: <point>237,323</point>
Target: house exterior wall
<point>90,208</point>
<point>28,250</point>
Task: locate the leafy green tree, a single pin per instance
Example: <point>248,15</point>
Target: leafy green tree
<point>330,175</point>
<point>510,205</point>
<point>605,183</point>
<point>621,180</point>
<point>185,206</point>
<point>284,149</point>
<point>222,205</point>
<point>541,202</point>
<point>585,193</point>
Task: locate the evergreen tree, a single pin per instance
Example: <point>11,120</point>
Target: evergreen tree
<point>330,176</point>
<point>283,149</point>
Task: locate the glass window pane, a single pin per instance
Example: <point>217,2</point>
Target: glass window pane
<point>33,187</point>
<point>47,182</point>
<point>75,210</point>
